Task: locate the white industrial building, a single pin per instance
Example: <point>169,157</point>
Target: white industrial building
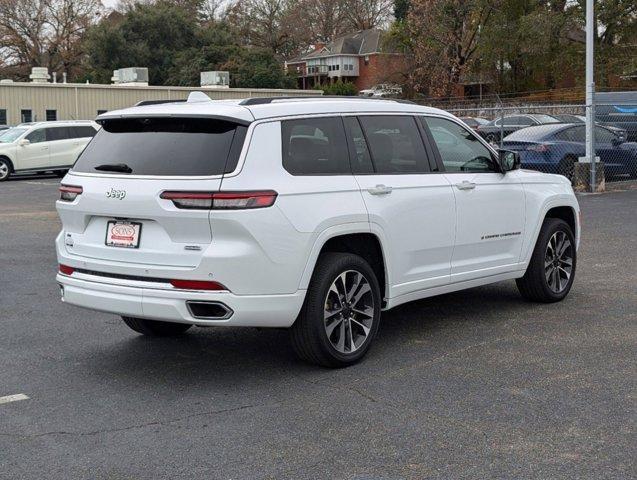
<point>47,97</point>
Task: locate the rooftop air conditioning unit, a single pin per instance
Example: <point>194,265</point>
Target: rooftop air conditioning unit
<point>130,76</point>
<point>215,79</point>
<point>39,75</point>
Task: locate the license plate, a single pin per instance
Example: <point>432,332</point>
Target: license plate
<point>123,234</point>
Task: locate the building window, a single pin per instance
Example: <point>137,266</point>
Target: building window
<point>26,116</point>
<point>3,116</point>
<point>51,115</point>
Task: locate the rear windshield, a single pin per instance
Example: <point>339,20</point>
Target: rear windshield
<point>163,146</point>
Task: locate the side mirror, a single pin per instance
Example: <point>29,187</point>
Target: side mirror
<point>509,160</point>
<point>24,142</point>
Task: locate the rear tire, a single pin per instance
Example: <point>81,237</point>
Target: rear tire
<point>154,328</point>
<point>5,169</point>
<point>551,271</point>
<point>341,313</point>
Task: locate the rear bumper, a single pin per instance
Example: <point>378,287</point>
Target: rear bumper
<point>170,304</point>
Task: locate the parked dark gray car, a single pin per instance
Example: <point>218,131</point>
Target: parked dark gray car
<point>503,126</point>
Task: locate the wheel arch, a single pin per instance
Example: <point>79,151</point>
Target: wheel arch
<point>6,157</point>
<point>566,213</point>
<point>350,239</point>
<point>564,208</point>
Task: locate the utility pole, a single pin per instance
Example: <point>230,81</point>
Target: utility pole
<point>590,90</point>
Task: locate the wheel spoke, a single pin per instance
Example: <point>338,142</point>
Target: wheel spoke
<point>352,346</point>
<point>329,314</point>
<point>563,246</point>
<point>549,275</point>
<point>364,327</point>
<point>352,290</point>
<point>361,291</point>
<point>341,279</point>
<point>367,311</point>
<point>335,293</point>
<point>340,345</point>
<point>566,272</point>
<point>329,329</point>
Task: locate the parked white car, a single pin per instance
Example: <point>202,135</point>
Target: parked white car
<point>308,214</point>
<point>43,146</point>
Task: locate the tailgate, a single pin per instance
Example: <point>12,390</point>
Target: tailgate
<point>122,173</point>
<point>168,236</point>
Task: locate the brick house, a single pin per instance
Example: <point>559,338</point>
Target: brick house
<point>362,58</point>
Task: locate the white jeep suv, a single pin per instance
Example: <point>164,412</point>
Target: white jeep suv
<point>43,146</point>
<point>308,214</point>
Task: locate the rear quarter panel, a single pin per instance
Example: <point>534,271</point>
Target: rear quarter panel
<point>308,211</point>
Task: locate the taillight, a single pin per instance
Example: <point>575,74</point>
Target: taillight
<point>68,193</point>
<point>197,285</point>
<point>66,270</point>
<point>221,200</point>
<point>541,147</point>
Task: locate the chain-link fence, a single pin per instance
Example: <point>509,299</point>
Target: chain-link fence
<point>552,138</point>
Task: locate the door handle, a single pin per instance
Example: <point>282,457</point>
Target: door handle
<point>380,190</point>
<point>464,185</point>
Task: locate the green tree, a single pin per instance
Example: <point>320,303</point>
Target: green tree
<point>401,9</point>
<point>148,35</point>
<point>257,68</point>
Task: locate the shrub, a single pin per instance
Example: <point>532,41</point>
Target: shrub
<point>340,88</point>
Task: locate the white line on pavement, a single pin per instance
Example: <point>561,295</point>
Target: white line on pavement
<point>13,398</point>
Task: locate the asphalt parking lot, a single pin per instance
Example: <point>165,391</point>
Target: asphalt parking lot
<point>477,384</point>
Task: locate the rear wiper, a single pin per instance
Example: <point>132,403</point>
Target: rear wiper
<point>114,167</point>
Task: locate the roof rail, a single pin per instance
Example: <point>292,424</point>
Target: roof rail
<point>157,102</point>
<point>266,100</point>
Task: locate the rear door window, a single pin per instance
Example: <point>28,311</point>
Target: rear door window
<point>604,136</point>
<point>57,133</point>
<point>314,146</point>
<point>574,134</point>
<point>82,132</point>
<point>395,144</point>
<point>164,147</point>
<point>359,153</point>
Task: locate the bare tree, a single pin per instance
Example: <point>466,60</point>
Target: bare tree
<point>262,23</point>
<point>445,36</point>
<point>365,14</point>
<point>323,20</point>
<point>45,32</point>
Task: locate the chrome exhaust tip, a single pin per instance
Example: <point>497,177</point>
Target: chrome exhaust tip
<point>208,310</point>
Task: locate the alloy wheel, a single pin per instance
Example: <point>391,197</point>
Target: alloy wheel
<point>558,262</point>
<point>4,170</point>
<point>349,311</point>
